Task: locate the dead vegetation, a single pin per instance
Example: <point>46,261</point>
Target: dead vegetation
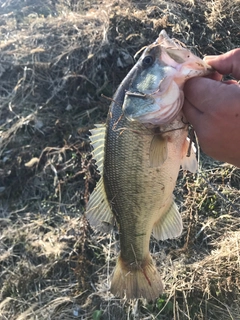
<point>56,59</point>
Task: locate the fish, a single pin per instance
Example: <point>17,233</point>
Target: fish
<point>139,152</point>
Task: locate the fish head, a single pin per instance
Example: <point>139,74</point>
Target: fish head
<point>155,93</point>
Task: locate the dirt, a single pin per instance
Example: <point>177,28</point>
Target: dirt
<point>60,64</point>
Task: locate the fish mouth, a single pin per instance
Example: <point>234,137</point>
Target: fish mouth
<point>166,42</point>
<point>178,51</point>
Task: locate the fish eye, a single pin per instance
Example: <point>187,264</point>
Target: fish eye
<point>147,61</point>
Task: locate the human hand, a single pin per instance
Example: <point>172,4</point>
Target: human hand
<point>213,108</point>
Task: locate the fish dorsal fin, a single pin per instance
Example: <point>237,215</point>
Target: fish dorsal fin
<point>158,151</point>
<point>98,211</point>
<point>189,163</point>
<point>97,141</point>
<point>170,225</point>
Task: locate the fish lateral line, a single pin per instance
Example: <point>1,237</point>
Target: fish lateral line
<point>140,234</point>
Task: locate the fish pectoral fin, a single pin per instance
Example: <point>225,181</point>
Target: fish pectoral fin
<point>170,225</point>
<point>97,141</point>
<point>98,211</point>
<point>158,151</point>
<point>189,162</point>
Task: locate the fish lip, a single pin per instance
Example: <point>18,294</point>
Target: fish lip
<point>165,42</point>
<point>164,37</point>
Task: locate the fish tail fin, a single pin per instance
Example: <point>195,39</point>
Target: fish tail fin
<point>136,280</point>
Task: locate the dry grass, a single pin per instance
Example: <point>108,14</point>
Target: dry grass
<point>57,58</point>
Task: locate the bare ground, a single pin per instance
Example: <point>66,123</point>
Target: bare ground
<point>56,60</point>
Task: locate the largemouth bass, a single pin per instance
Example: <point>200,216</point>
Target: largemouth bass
<point>139,152</point>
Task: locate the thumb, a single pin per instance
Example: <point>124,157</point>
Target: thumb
<point>207,95</point>
<point>201,92</point>
<point>227,63</point>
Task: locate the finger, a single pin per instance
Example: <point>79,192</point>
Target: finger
<point>227,63</point>
<point>192,113</point>
<point>215,76</point>
<point>202,93</point>
<point>232,82</point>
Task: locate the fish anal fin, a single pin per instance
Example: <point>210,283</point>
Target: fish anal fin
<point>133,280</point>
<point>189,163</point>
<point>98,211</point>
<point>158,151</point>
<point>169,225</point>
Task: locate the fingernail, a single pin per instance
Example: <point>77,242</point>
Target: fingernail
<point>210,58</point>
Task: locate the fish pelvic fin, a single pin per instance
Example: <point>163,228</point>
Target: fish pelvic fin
<point>98,211</point>
<point>189,162</point>
<point>169,225</point>
<point>136,280</point>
